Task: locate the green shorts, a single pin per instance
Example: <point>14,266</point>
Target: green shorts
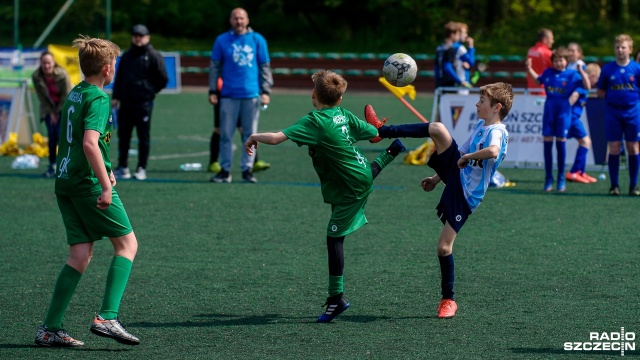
<point>347,218</point>
<point>84,222</point>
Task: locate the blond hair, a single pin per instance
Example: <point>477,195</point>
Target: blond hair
<point>329,87</point>
<point>625,38</point>
<point>593,68</point>
<point>499,93</point>
<point>94,54</point>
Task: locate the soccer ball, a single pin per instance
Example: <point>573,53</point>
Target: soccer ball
<point>399,69</point>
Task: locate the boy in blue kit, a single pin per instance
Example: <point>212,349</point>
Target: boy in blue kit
<point>465,170</point>
<point>618,85</point>
<point>346,177</point>
<point>465,57</point>
<point>578,101</point>
<point>559,83</point>
<point>445,73</point>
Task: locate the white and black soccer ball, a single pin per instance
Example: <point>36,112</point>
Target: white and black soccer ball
<point>400,69</point>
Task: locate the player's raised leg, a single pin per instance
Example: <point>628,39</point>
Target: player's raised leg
<point>436,131</point>
<point>387,157</point>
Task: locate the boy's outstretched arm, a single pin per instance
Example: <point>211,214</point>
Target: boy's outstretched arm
<point>491,152</point>
<point>269,138</point>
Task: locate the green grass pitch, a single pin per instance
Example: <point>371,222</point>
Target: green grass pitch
<point>239,271</point>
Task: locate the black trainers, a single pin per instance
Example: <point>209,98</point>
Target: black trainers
<point>113,329</point>
<point>614,190</point>
<point>336,305</point>
<point>247,176</point>
<point>59,338</point>
<point>634,191</point>
<point>222,177</point>
<point>396,148</point>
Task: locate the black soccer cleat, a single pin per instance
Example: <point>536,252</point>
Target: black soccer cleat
<point>336,305</point>
<point>396,148</point>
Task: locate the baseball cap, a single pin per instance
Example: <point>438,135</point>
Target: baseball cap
<point>139,30</point>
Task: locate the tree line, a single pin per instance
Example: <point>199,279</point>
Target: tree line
<point>498,26</point>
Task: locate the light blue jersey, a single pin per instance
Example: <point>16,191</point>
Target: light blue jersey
<point>237,53</point>
<point>475,178</point>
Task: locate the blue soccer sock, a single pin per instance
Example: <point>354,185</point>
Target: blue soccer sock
<point>561,148</point>
<point>633,170</point>
<point>548,159</point>
<point>447,271</point>
<point>419,130</point>
<point>580,163</point>
<point>614,168</point>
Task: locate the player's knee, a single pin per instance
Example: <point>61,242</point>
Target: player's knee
<point>125,246</point>
<point>444,249</point>
<point>436,129</point>
<point>585,142</point>
<point>79,260</point>
<point>614,148</point>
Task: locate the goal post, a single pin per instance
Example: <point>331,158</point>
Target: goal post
<point>16,111</point>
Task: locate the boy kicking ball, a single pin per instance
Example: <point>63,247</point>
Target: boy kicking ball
<point>466,171</point>
<point>346,177</point>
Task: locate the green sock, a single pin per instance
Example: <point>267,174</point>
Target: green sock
<point>63,291</point>
<point>336,285</point>
<point>116,283</point>
<point>384,159</point>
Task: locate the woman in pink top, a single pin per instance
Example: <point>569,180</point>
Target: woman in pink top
<point>52,85</point>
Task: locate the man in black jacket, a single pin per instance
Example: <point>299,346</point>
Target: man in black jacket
<point>140,76</point>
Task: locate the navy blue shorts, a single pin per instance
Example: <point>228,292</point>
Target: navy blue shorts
<point>576,130</point>
<point>453,207</point>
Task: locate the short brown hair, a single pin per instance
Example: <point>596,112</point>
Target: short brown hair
<point>94,54</point>
<point>329,87</point>
<point>543,33</point>
<point>560,52</point>
<point>451,27</point>
<point>499,93</point>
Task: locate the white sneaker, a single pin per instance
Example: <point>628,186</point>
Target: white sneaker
<point>140,174</point>
<point>122,173</point>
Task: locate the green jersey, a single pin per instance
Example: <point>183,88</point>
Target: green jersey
<point>331,134</point>
<point>86,108</point>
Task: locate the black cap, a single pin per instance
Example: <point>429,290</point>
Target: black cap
<point>139,30</point>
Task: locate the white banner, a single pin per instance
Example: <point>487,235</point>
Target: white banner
<point>524,124</point>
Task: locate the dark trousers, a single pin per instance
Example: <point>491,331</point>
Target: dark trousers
<point>138,116</point>
<point>53,132</point>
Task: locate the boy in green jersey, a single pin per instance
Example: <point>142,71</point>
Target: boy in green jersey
<point>90,207</point>
<point>346,177</point>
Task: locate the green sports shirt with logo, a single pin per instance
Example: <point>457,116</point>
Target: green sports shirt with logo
<point>331,134</point>
<point>87,107</point>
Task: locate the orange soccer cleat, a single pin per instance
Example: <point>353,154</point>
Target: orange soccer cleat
<point>372,119</point>
<point>590,178</point>
<point>447,309</point>
<point>577,177</point>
